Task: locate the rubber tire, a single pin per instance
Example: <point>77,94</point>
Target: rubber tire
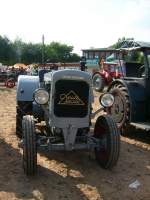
<point>29,146</point>
<point>101,86</point>
<point>112,138</point>
<point>122,92</point>
<point>21,109</point>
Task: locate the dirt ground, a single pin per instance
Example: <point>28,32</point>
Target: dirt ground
<point>69,176</point>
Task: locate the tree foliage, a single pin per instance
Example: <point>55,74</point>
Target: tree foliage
<point>57,52</point>
<point>120,41</point>
<point>19,51</point>
<point>7,52</point>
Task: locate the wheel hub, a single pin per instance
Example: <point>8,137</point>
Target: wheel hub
<point>117,110</point>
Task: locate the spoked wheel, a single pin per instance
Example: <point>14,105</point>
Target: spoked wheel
<point>120,110</point>
<point>107,152</point>
<point>98,82</point>
<point>29,145</point>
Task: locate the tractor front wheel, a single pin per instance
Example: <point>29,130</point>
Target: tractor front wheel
<point>107,152</point>
<point>29,145</point>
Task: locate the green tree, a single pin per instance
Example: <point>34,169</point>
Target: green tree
<point>18,46</point>
<point>120,42</point>
<point>19,51</point>
<point>57,52</point>
<point>31,53</point>
<point>6,50</point>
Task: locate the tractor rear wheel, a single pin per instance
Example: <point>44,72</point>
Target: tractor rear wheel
<point>29,145</point>
<point>120,110</point>
<point>106,131</point>
<point>98,83</point>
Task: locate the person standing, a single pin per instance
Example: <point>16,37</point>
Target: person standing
<point>83,63</point>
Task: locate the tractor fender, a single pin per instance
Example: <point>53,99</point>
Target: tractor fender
<point>116,82</point>
<point>137,97</point>
<point>26,87</point>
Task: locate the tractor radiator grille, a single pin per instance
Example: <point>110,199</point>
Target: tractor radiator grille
<point>71,98</point>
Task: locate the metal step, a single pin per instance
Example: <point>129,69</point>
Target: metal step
<point>141,125</point>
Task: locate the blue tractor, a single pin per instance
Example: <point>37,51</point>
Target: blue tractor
<point>54,110</point>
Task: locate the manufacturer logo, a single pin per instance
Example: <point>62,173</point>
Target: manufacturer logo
<point>70,99</point>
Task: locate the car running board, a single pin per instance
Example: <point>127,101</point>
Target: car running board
<point>141,125</point>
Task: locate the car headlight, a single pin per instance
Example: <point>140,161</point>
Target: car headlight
<point>41,96</point>
<point>106,100</point>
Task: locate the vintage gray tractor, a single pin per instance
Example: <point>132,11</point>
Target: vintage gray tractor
<point>54,110</point>
<point>132,93</point>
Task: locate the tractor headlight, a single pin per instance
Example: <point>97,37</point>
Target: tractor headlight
<point>41,96</point>
<point>106,100</point>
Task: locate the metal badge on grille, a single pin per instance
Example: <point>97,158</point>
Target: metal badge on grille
<point>70,99</point>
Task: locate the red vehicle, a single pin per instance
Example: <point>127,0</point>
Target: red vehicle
<point>108,72</point>
<point>7,79</point>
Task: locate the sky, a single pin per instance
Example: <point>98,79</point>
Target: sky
<point>80,23</point>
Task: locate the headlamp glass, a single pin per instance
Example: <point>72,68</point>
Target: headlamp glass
<point>41,96</point>
<point>107,100</point>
